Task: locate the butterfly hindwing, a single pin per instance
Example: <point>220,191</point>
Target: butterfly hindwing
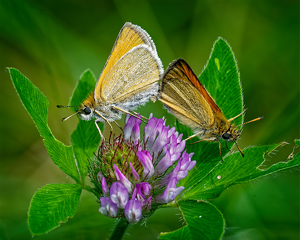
<point>135,78</point>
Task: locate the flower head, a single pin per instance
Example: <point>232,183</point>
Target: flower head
<point>134,174</point>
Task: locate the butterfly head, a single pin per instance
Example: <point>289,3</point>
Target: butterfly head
<point>85,112</point>
<point>232,134</point>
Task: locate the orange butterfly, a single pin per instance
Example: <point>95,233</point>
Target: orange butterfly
<point>128,80</point>
<point>187,99</point>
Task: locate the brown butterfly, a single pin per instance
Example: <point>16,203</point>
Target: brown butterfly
<point>187,99</point>
<point>129,78</point>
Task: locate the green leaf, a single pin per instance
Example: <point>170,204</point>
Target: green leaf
<point>297,142</point>
<point>221,79</point>
<point>179,234</point>
<point>235,169</point>
<point>52,205</point>
<point>85,139</point>
<point>62,156</point>
<point>207,155</point>
<point>200,149</point>
<point>37,105</point>
<point>85,86</point>
<point>204,221</point>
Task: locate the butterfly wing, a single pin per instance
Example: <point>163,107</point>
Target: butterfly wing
<point>129,37</point>
<point>186,98</point>
<point>182,66</point>
<point>133,79</point>
<point>186,103</point>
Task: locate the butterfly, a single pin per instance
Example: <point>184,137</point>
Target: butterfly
<point>129,78</point>
<point>187,99</point>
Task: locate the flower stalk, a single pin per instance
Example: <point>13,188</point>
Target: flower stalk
<point>119,228</point>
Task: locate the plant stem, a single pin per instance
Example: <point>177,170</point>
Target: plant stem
<point>87,188</point>
<point>119,229</point>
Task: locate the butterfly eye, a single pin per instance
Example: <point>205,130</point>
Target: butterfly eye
<point>226,136</point>
<point>87,110</point>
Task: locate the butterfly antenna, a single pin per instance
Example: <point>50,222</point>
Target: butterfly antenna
<point>231,119</point>
<point>239,149</point>
<point>62,106</point>
<point>66,118</point>
<point>253,120</point>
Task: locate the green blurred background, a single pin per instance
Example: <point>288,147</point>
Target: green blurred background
<point>52,42</point>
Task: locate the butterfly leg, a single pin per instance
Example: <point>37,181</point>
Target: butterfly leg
<point>118,125</point>
<point>96,123</point>
<point>124,111</point>
<point>193,136</point>
<point>197,142</point>
<point>141,115</point>
<point>208,140</point>
<point>239,148</point>
<point>227,146</point>
<point>111,128</point>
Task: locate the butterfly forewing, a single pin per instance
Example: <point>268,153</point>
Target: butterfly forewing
<point>186,103</point>
<point>129,37</point>
<point>185,72</point>
<point>146,38</point>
